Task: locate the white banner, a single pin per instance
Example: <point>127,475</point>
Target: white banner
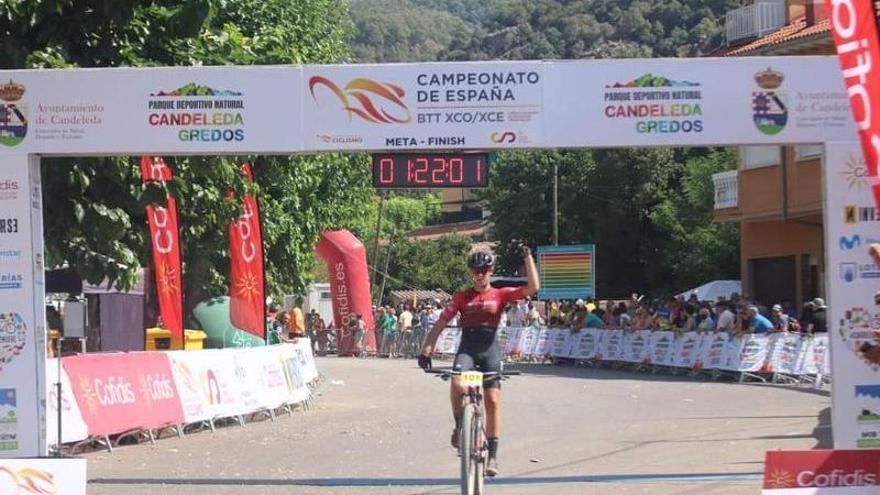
<point>447,343</point>
<point>816,358</point>
<point>513,345</point>
<point>853,316</point>
<point>261,373</point>
<point>636,347</point>
<point>528,340</point>
<point>713,352</point>
<point>662,351</point>
<point>208,378</point>
<point>687,349</point>
<point>297,385</point>
<point>785,352</point>
<point>73,428</point>
<point>748,100</point>
<point>561,342</point>
<point>542,344</point>
<point>43,476</point>
<point>587,344</point>
<point>749,353</point>
<point>457,105</point>
<point>428,106</point>
<point>303,351</point>
<point>610,345</point>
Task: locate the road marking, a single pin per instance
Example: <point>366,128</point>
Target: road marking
<point>673,478</point>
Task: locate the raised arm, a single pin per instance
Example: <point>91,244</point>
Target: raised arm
<point>534,282</point>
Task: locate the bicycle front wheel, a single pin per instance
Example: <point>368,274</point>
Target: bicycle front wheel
<point>466,450</point>
<point>478,438</point>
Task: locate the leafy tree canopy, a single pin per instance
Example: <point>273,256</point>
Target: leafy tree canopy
<point>94,218</point>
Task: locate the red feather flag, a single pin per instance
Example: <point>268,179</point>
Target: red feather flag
<point>165,239</point>
<point>247,290</point>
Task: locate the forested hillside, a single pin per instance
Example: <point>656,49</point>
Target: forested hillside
<point>649,211</point>
<point>420,30</point>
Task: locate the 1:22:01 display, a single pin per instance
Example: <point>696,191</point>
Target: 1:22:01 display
<point>430,170</point>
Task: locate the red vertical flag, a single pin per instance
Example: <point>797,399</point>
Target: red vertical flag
<point>247,292</point>
<point>165,239</point>
<point>854,27</point>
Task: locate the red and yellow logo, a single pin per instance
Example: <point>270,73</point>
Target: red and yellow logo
<point>167,279</point>
<point>779,478</point>
<point>247,288</point>
<point>32,480</point>
<point>376,102</point>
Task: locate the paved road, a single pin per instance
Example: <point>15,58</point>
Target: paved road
<point>382,427</point>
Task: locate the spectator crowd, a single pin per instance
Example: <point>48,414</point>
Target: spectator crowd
<point>400,329</point>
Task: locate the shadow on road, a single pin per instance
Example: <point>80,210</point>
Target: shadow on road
<point>371,482</point>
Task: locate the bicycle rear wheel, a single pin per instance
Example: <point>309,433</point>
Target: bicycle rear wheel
<point>466,450</point>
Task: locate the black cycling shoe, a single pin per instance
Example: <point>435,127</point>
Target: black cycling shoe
<point>492,467</point>
<point>454,440</point>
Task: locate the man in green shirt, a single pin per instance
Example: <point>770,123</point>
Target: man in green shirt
<point>389,324</point>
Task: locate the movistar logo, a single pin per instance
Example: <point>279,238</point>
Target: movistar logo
<point>850,242</point>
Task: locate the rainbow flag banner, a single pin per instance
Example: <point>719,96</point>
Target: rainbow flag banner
<point>567,272</point>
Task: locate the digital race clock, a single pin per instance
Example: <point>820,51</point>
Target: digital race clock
<point>429,170</point>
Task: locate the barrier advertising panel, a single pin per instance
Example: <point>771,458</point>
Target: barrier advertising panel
<point>822,472</point>
<point>662,348</point>
<point>73,428</point>
<point>115,392</point>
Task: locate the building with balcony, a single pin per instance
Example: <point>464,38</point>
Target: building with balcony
<point>776,192</point>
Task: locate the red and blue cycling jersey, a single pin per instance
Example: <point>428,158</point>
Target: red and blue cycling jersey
<point>481,309</point>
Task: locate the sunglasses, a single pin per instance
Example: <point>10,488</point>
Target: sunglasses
<point>480,271</point>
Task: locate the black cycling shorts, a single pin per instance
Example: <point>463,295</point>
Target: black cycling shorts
<point>478,351</point>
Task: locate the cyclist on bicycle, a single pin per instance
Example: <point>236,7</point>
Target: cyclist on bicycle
<point>480,308</point>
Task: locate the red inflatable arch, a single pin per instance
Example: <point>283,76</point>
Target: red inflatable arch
<point>346,260</point>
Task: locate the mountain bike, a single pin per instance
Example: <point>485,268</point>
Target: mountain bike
<point>473,448</point>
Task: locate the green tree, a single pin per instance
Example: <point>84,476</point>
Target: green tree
<point>399,30</point>
<point>627,202</point>
<point>425,264</point>
<point>94,219</point>
<point>697,248</point>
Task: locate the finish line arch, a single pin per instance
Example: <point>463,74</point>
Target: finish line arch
<point>397,107</point>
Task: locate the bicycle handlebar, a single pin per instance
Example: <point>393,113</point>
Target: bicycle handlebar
<point>489,374</point>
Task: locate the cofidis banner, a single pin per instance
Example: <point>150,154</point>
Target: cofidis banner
<point>121,391</point>
<point>822,472</point>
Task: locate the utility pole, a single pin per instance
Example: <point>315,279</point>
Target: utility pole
<point>376,244</point>
<point>387,261</point>
<point>555,203</point>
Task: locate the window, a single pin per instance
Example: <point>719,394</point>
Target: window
<point>760,156</point>
<point>808,151</point>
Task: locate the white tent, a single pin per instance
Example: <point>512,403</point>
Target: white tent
<point>715,289</point>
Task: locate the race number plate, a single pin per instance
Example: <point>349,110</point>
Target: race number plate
<point>472,378</point>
